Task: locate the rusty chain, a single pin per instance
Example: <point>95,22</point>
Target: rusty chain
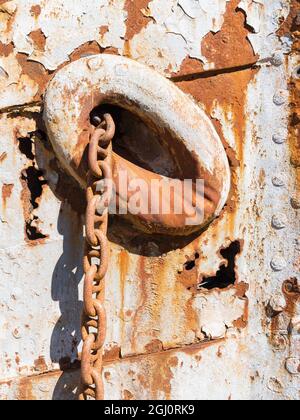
<point>96,256</point>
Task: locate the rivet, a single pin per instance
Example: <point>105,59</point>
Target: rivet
<point>279,138</point>
<point>280,97</point>
<point>278,263</point>
<point>277,181</point>
<point>278,303</point>
<point>295,201</point>
<point>279,341</point>
<point>293,365</point>
<point>279,221</point>
<point>277,59</point>
<point>17,334</point>
<point>275,385</point>
<point>44,388</point>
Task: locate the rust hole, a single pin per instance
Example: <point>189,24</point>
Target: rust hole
<point>226,275</point>
<point>33,178</point>
<point>26,147</point>
<point>32,232</point>
<point>190,265</point>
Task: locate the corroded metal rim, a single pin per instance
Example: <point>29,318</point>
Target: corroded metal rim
<point>107,79</point>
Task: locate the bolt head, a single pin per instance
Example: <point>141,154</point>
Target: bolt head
<point>293,365</point>
<point>278,303</point>
<point>295,201</point>
<point>279,138</point>
<point>279,221</point>
<point>277,182</point>
<point>278,263</point>
<point>277,59</point>
<point>280,98</point>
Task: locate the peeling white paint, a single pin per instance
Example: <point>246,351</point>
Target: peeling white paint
<point>265,17</point>
<point>76,23</point>
<point>180,27</point>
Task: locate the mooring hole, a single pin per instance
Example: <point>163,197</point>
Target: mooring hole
<point>138,143</point>
<point>226,275</point>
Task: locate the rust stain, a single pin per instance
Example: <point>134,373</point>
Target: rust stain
<point>291,291</point>
<point>3,156</point>
<point>6,192</point>
<point>127,395</point>
<point>103,30</point>
<point>112,354</point>
<point>36,10</point>
<point>230,46</point>
<point>36,72</point>
<point>136,20</point>
<point>39,39</point>
<point>292,26</point>
<point>155,346</point>
<point>228,90</point>
<point>123,265</point>
<point>6,49</point>
<point>40,364</point>
<point>8,18</point>
<point>25,391</point>
<point>159,374</point>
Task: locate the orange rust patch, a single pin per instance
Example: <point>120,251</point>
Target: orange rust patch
<point>159,377</point>
<point>291,290</point>
<point>127,395</point>
<point>25,392</point>
<point>228,89</point>
<point>241,289</point>
<point>36,10</point>
<point>103,30</point>
<point>136,20</point>
<point>40,364</point>
<point>112,354</point>
<point>3,156</point>
<point>154,347</point>
<point>34,71</point>
<point>230,46</point>
<point>39,39</point>
<point>6,192</point>
<point>242,322</point>
<point>6,49</point>
<point>292,26</point>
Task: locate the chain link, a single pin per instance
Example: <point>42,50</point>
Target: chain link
<point>99,194</point>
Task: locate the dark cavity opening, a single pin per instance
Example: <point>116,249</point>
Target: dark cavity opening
<point>26,147</point>
<point>226,275</point>
<point>33,178</point>
<point>32,232</point>
<point>190,265</point>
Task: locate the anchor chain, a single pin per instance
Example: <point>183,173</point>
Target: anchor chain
<point>96,257</point>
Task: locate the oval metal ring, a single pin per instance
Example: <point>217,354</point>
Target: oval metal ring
<point>184,127</point>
